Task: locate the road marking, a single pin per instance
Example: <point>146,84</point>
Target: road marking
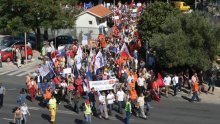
<point>25,73</point>
<point>20,70</point>
<point>34,108</point>
<point>12,89</point>
<point>8,119</point>
<point>7,71</point>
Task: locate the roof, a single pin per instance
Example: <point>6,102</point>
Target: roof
<point>99,11</point>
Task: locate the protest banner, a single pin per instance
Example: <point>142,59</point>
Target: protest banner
<point>85,40</point>
<point>102,84</point>
<point>44,70</point>
<point>67,71</point>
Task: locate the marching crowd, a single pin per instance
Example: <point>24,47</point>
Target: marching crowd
<point>116,57</point>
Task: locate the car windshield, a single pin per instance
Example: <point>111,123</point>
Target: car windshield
<point>5,43</point>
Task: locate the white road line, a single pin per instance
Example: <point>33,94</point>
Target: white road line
<point>8,71</point>
<point>8,119</point>
<point>25,73</point>
<point>12,89</point>
<point>23,69</point>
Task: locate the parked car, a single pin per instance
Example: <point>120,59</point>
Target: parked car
<point>7,54</point>
<point>62,40</point>
<point>7,41</point>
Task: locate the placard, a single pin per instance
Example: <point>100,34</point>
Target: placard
<point>102,85</point>
<point>85,40</point>
<point>67,71</point>
<point>138,4</point>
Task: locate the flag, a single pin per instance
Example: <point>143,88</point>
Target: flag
<point>99,60</point>
<point>62,51</point>
<point>160,81</point>
<point>75,71</point>
<point>88,72</point>
<point>78,58</point>
<point>124,53</point>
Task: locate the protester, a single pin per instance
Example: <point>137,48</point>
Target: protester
<point>103,106</point>
<point>88,112</point>
<point>110,99</point>
<point>22,97</point>
<point>32,88</point>
<point>17,116</point>
<point>18,56</point>
<point>53,109</point>
<point>167,82</point>
<point>120,99</point>
<point>25,112</point>
<point>141,106</point>
<point>2,94</point>
<point>195,92</point>
<point>128,111</point>
<point>92,99</point>
<point>175,81</point>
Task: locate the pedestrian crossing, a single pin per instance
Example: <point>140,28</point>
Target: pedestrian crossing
<point>19,72</point>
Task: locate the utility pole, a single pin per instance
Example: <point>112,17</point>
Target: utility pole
<point>26,55</point>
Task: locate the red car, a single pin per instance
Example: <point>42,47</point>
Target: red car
<point>7,54</point>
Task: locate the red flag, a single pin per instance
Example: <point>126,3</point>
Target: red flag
<point>160,81</point>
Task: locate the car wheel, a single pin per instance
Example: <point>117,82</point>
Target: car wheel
<point>8,59</point>
<point>29,57</point>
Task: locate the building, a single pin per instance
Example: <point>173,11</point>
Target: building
<point>92,22</point>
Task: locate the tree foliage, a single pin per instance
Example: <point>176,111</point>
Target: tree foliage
<point>180,40</point>
<point>31,15</point>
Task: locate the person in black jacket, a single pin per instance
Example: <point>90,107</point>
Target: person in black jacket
<point>92,100</point>
<point>39,80</point>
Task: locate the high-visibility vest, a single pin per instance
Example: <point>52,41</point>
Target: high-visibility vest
<point>128,107</point>
<point>52,103</point>
<point>88,110</point>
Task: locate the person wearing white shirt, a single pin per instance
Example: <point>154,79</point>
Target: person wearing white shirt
<point>2,93</point>
<point>175,84</point>
<point>140,83</point>
<point>24,111</point>
<point>102,106</point>
<point>110,99</point>
<point>141,104</point>
<point>167,82</point>
<point>120,98</point>
<point>49,49</point>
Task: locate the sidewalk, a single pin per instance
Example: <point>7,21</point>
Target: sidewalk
<point>7,66</point>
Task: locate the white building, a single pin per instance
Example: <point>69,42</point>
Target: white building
<point>92,21</point>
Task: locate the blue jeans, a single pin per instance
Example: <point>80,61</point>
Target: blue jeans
<point>195,96</point>
<point>88,118</point>
<point>18,121</point>
<point>120,106</point>
<point>110,107</point>
<point>25,119</point>
<point>93,106</point>
<point>127,118</point>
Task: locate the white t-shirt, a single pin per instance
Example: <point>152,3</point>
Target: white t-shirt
<point>120,95</point>
<point>49,49</point>
<point>140,100</point>
<point>140,81</point>
<point>110,98</point>
<point>24,110</point>
<point>130,78</point>
<point>102,99</point>
<point>167,81</point>
<point>175,80</point>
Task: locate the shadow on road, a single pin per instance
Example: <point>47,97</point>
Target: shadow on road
<point>78,121</point>
<point>119,118</point>
<point>45,117</point>
<point>186,98</point>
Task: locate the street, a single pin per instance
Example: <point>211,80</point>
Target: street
<point>172,110</point>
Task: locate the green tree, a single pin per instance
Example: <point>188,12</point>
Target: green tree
<point>180,40</point>
<point>20,16</point>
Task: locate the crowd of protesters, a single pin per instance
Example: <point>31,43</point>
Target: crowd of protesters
<point>118,58</point>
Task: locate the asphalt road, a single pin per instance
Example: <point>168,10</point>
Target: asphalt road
<point>172,110</point>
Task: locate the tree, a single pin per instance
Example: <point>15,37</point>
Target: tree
<point>20,16</point>
<point>180,40</point>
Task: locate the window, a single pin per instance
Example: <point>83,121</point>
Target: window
<point>90,22</point>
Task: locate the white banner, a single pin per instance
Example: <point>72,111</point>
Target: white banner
<point>44,70</point>
<point>102,85</point>
<point>85,40</point>
<point>67,71</point>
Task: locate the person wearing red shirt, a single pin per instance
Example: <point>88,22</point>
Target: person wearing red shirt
<point>78,83</point>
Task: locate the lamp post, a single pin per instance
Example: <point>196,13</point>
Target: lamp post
<point>25,40</point>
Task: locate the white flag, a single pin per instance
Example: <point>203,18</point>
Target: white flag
<point>99,62</point>
<point>78,58</point>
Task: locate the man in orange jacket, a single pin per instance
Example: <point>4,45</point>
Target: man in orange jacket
<point>195,92</point>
